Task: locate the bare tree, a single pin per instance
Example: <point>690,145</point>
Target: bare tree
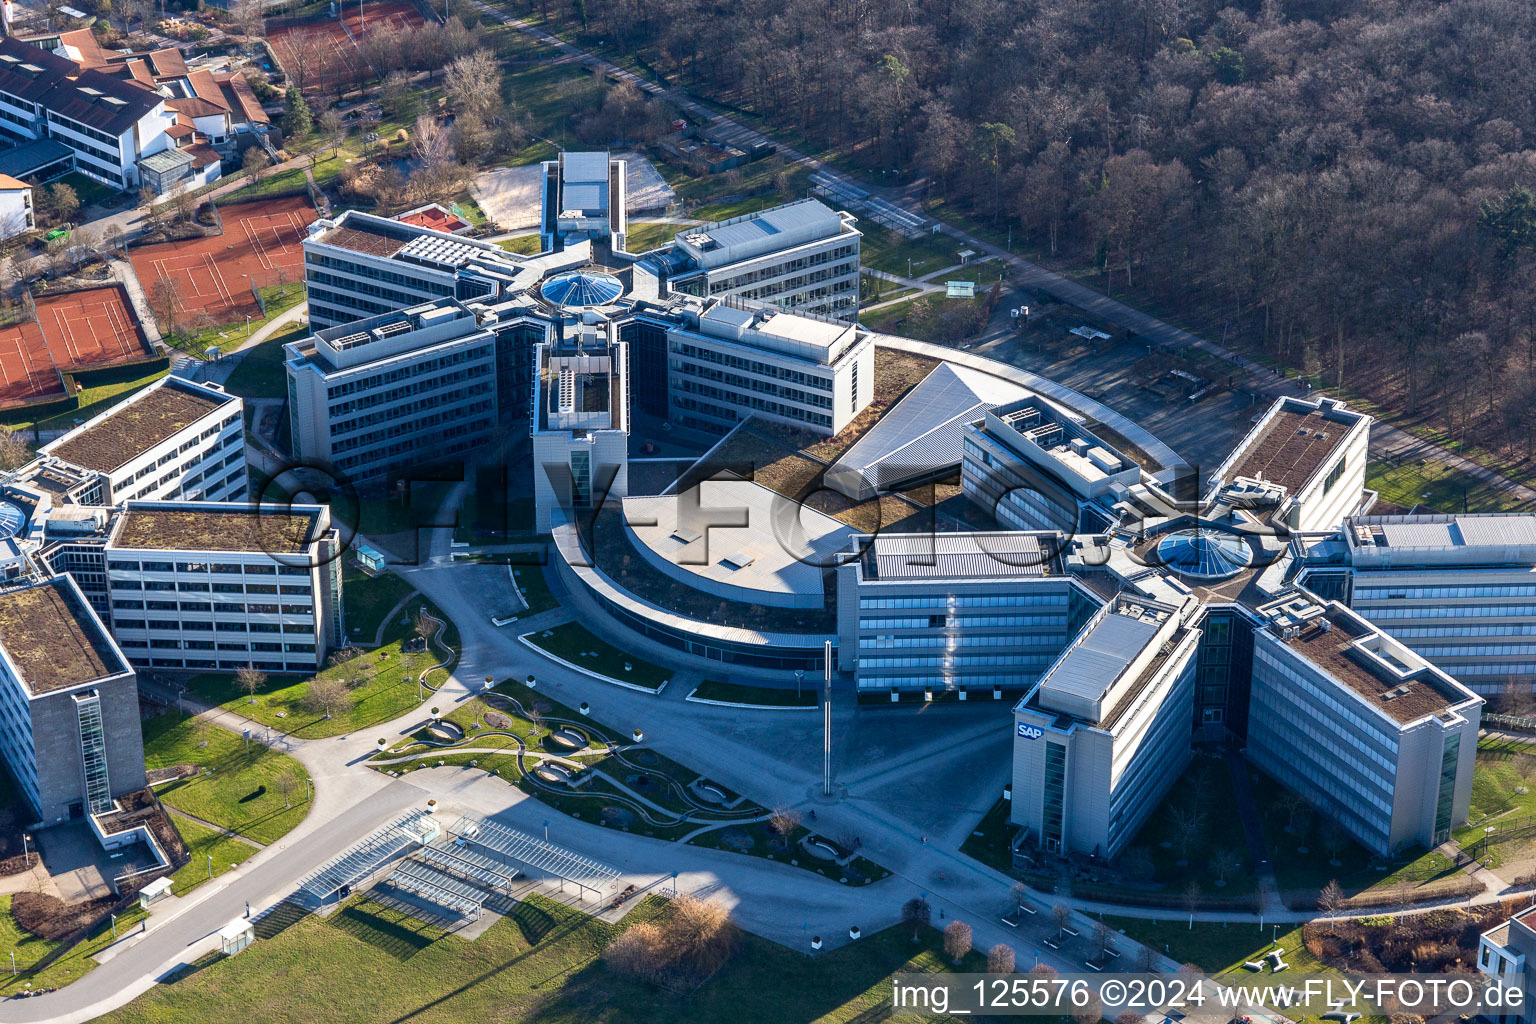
<point>1334,840</point>
<point>473,84</point>
<point>1102,934</point>
<point>333,129</point>
<point>1000,959</point>
<point>348,668</point>
<point>248,17</point>
<point>14,450</point>
<point>1192,895</point>
<point>957,940</point>
<point>1061,914</point>
<point>112,238</point>
<point>250,679</point>
<point>916,914</point>
<point>1225,864</point>
<point>286,784</point>
<point>1188,822</point>
<point>1331,900</point>
<point>162,299</point>
<point>255,163</point>
<point>784,821</point>
<point>326,697</point>
<point>1089,1013</point>
<point>1291,803</point>
<point>424,627</point>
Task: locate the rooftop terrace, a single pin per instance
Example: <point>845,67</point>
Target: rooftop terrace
<point>51,637</point>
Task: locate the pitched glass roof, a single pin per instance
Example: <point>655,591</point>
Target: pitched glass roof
<point>582,288</point>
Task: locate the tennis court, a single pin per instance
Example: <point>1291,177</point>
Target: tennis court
<point>78,330</point>
<point>324,53</point>
<point>212,277</point>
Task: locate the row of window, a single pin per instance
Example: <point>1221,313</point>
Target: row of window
<point>423,368</point>
<point>441,425</point>
<point>707,354</point>
<point>1416,593</point>
<point>1450,611</point>
<point>1056,596</point>
<point>384,412</point>
<point>209,608</point>
<point>302,628</point>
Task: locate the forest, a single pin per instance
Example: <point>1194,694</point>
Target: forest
<point>1338,186</point>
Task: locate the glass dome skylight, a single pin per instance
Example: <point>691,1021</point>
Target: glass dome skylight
<point>582,288</point>
<point>1203,554</point>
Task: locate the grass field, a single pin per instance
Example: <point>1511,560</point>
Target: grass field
<point>525,245</point>
<point>225,337</point>
<point>1437,487</point>
<point>92,400</point>
<point>540,966</point>
<point>368,599</point>
<point>884,249</point>
<point>203,843</point>
<point>260,372</point>
<point>770,696</point>
<point>572,642</point>
<point>239,789</point>
<point>643,237</point>
<point>30,949</point>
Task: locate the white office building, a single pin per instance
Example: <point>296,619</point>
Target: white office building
<point>174,439</point>
<point>1458,590</point>
<point>1365,729</point>
<point>800,256</point>
<point>394,391</point>
<point>730,360</point>
<point>203,586</point>
<point>1105,734</point>
<point>583,198</point>
<point>1033,467</point>
<point>580,423</point>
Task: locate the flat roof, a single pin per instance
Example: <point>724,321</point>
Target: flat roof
<point>1493,530</point>
<point>1291,446</point>
<point>232,528</point>
<point>740,534</point>
<point>54,639</point>
<point>1092,667</point>
<point>1331,647</point>
<point>133,427</point>
<point>964,555</point>
<point>364,238</point>
<point>30,157</point>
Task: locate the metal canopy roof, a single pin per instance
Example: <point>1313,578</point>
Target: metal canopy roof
<point>585,167</point>
<point>470,863</point>
<point>439,887</point>
<point>363,859</point>
<point>1091,668</point>
<point>522,848</point>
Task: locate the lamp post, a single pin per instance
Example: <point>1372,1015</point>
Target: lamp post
<point>307,783</point>
<point>247,325</point>
<point>799,677</point>
<point>210,866</point>
<point>26,854</point>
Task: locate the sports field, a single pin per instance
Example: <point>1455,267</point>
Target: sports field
<point>96,327</point>
<point>324,52</point>
<point>213,276</point>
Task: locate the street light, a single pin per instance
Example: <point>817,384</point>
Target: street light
<point>799,675</point>
<point>307,783</point>
<point>247,325</point>
<point>210,866</point>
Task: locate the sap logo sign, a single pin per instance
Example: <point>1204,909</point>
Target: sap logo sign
<point>1030,732</point>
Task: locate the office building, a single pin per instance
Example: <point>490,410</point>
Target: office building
<point>1458,590</point>
<point>174,439</point>
<point>396,391</point>
<point>729,360</point>
<point>1033,467</point>
<point>800,256</point>
<point>69,704</point>
<point>108,124</point>
<point>1105,734</point>
<point>199,586</point>
<point>968,614</point>
<point>1308,458</point>
<point>580,423</point>
<point>1366,730</point>
<point>1507,954</point>
<point>583,199</point>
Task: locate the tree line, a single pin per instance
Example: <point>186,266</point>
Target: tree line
<point>1342,184</point>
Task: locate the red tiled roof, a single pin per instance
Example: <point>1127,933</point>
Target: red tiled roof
<point>202,155</point>
<point>84,41</point>
<point>241,98</point>
<point>196,106</point>
<point>206,88</point>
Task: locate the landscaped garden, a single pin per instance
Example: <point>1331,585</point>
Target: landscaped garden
<point>370,687</point>
<point>588,770</point>
<point>33,950</point>
<point>574,644</point>
<point>238,785</point>
<point>541,965</point>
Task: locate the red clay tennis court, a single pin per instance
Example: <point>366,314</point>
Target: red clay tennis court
<point>82,329</point>
<point>212,276</point>
<point>323,52</point>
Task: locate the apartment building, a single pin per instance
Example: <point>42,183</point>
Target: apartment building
<point>395,391</point>
<point>1106,733</point>
<point>174,439</point>
<point>69,703</point>
<point>580,423</point>
<point>1369,732</point>
<point>583,197</point>
<point>202,586</point>
<point>728,360</point>
<point>1457,590</point>
<point>963,614</point>
<point>801,256</point>
<point>1034,467</point>
<point>108,124</point>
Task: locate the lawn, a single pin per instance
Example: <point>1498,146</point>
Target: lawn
<point>259,372</point>
<point>91,401</point>
<point>573,643</point>
<point>203,843</point>
<point>1501,790</point>
<point>30,949</point>
<point>88,190</point>
<point>890,251</point>
<point>769,696</point>
<point>1437,487</point>
<point>534,588</point>
<point>278,299</point>
<point>644,237</point>
<point>539,966</point>
<point>1215,947</point>
<point>326,169</point>
<point>525,245</point>
<point>240,787</point>
<point>367,599</point>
